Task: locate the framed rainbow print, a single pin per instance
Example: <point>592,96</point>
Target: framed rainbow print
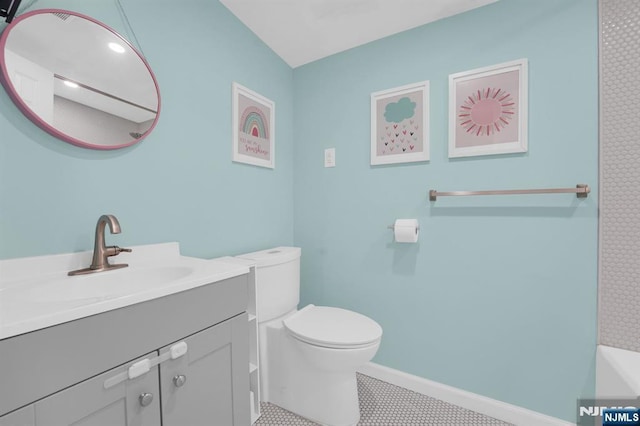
<point>253,128</point>
<point>400,124</point>
<point>488,110</point>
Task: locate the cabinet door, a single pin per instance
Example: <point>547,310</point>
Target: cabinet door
<point>210,384</point>
<point>22,417</point>
<point>89,403</point>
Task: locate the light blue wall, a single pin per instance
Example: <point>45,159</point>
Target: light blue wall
<point>499,296</point>
<point>177,185</point>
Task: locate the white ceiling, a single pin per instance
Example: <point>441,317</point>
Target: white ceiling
<point>302,31</point>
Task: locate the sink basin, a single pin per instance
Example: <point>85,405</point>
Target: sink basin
<point>103,285</point>
<point>36,292</point>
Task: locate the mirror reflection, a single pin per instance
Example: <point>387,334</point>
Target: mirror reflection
<point>78,79</point>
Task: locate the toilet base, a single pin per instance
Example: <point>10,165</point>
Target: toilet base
<point>298,384</point>
<point>329,401</point>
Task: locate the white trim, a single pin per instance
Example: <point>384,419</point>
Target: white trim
<point>471,401</point>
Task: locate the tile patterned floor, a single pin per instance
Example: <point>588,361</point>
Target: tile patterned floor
<point>383,404</point>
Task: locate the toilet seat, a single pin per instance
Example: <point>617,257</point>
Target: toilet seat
<point>333,327</point>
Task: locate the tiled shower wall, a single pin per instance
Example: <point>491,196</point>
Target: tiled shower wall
<point>619,281</point>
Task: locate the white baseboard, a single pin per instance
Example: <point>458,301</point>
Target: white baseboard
<point>471,401</point>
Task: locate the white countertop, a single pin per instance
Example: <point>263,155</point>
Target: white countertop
<point>36,292</point>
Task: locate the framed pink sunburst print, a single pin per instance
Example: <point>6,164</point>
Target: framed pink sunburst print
<point>488,110</point>
<point>253,133</point>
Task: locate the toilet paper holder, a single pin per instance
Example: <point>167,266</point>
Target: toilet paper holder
<point>393,227</point>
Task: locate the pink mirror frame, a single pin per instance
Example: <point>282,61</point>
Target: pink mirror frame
<point>24,108</point>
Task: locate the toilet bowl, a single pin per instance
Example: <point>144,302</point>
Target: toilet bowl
<point>308,357</point>
<point>334,339</point>
<point>312,357</point>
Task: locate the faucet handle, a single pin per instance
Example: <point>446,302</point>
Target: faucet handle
<point>115,250</point>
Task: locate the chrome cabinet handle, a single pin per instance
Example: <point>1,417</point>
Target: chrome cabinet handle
<point>179,380</point>
<point>145,398</point>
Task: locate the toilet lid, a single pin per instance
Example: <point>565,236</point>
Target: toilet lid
<point>333,327</point>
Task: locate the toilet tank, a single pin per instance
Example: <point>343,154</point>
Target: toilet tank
<point>277,281</point>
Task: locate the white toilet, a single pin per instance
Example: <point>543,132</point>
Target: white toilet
<point>308,358</point>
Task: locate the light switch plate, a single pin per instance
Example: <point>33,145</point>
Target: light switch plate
<point>330,157</point>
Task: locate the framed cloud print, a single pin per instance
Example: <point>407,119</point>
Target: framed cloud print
<point>400,124</point>
<point>253,140</point>
<point>488,110</point>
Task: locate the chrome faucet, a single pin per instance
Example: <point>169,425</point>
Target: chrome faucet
<point>101,253</point>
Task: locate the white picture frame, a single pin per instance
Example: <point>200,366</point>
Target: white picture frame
<point>253,124</point>
<point>488,110</point>
<point>400,124</point>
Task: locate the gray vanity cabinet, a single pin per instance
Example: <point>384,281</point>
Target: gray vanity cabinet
<point>23,417</point>
<point>199,388</point>
<point>89,403</point>
<point>52,377</point>
<point>203,387</point>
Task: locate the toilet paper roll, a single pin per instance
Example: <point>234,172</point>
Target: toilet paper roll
<point>406,230</point>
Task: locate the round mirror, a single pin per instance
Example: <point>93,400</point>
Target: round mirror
<point>78,79</point>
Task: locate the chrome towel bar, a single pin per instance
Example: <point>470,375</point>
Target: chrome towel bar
<point>581,190</point>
